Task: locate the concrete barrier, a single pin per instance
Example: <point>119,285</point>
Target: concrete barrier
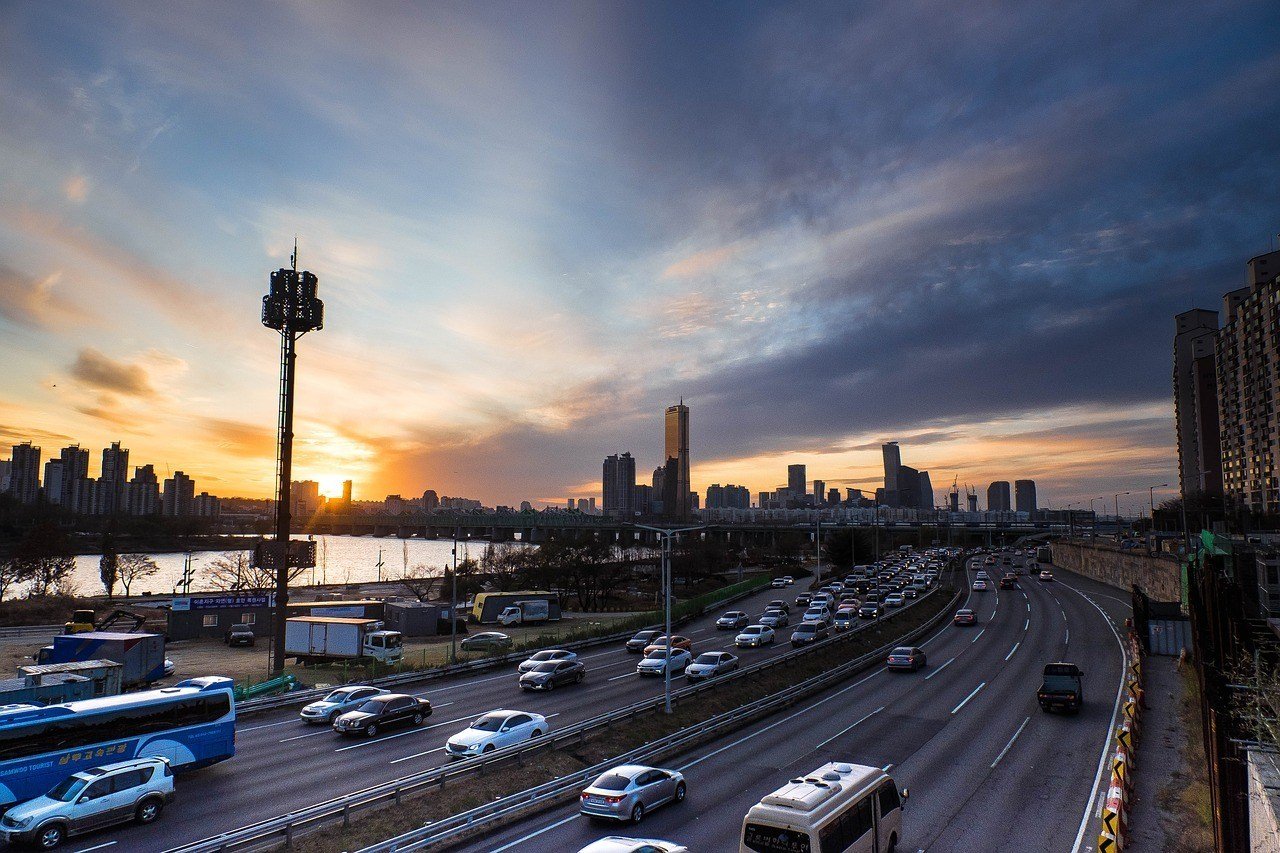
<point>1113,834</point>
<point>1158,575</point>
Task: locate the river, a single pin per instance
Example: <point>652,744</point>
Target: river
<point>340,559</point>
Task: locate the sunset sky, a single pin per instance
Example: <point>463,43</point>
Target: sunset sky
<point>538,224</point>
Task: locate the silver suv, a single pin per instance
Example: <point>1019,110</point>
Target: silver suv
<point>134,790</point>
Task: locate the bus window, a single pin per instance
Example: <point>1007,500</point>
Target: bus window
<point>848,829</point>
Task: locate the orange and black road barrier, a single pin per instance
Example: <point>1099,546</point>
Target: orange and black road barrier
<point>1114,833</point>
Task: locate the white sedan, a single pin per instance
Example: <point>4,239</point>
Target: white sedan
<point>754,635</point>
<point>618,844</point>
<point>655,663</point>
<point>894,599</point>
<point>979,585</point>
<point>495,730</point>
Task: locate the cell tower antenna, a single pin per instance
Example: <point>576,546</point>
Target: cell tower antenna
<point>293,259</point>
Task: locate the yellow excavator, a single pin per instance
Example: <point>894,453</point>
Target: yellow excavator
<point>83,621</point>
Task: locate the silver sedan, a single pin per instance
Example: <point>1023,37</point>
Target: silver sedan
<point>711,664</point>
<point>631,791</point>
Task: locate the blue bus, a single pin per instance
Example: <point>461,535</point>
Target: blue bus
<point>192,724</point>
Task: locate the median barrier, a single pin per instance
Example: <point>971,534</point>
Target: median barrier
<point>285,827</point>
<point>1113,835</point>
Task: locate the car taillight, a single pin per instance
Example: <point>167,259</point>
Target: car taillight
<point>613,800</point>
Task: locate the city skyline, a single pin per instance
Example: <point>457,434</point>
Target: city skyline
<point>1008,300</point>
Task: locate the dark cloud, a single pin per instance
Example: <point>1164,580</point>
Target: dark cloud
<point>103,373</point>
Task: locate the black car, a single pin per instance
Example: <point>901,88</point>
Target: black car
<point>382,712</point>
<point>638,643</point>
<point>870,610</point>
<point>803,599</point>
<point>239,635</point>
<point>1008,582</point>
<point>549,675</point>
<point>809,632</point>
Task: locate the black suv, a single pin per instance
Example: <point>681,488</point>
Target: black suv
<point>239,635</point>
<point>380,712</point>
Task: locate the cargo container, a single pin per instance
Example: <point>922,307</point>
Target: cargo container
<point>140,655</point>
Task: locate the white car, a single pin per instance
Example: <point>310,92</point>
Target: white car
<point>894,599</point>
<point>817,614</point>
<point>337,703</point>
<point>545,656</point>
<point>618,844</point>
<point>754,635</point>
<point>495,730</point>
<point>979,585</point>
<point>655,663</point>
<point>136,790</point>
<point>774,619</point>
<point>778,583</point>
<point>711,664</point>
<point>790,580</point>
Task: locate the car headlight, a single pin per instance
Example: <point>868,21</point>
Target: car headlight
<point>22,823</point>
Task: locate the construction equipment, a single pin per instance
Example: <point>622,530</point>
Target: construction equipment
<point>83,621</point>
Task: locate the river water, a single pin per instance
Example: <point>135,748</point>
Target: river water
<point>339,559</point>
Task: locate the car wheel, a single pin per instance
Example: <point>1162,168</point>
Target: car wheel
<point>372,730</point>
<point>418,719</point>
<point>536,733</point>
<point>50,836</point>
<point>488,747</point>
<point>680,792</point>
<point>333,716</point>
<point>581,676</point>
<point>893,843</point>
<point>148,810</point>
<point>637,813</point>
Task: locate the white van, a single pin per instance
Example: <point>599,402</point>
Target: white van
<point>838,808</point>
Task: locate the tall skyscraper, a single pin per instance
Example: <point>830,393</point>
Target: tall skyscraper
<point>179,492</point>
<point>1025,495</point>
<point>892,462</point>
<point>926,492</point>
<point>642,499</point>
<point>677,451</point>
<point>75,466</point>
<point>998,497</point>
<point>115,473</point>
<point>1195,401</point>
<point>430,500</point>
<point>619,482</point>
<point>142,492</point>
<point>53,481</point>
<point>346,493</point>
<point>797,480</point>
<point>1247,387</point>
<point>304,495</point>
<point>24,473</point>
<point>833,496</point>
<point>819,491</point>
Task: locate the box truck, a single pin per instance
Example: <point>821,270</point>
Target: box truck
<point>341,638</point>
<point>141,655</point>
<point>525,612</point>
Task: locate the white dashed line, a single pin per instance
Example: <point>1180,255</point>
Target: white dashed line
<point>1010,743</point>
<point>939,669</point>
<point>967,698</point>
<point>1012,650</point>
<point>849,728</point>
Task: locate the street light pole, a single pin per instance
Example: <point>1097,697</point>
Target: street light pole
<point>1071,527</point>
<point>667,536</point>
<point>1151,496</point>
<point>453,604</point>
<point>1117,516</point>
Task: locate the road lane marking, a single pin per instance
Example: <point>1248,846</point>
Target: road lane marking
<point>522,839</point>
<point>1064,616</point>
<point>849,728</point>
<point>412,731</point>
<point>96,847</point>
<point>417,754</point>
<point>979,634</point>
<point>268,725</point>
<point>1067,639</point>
<point>1111,727</point>
<point>1010,743</point>
<point>1026,625</point>
<point>967,698</point>
<point>1012,650</point>
<point>328,728</point>
<point>624,675</point>
<point>939,669</point>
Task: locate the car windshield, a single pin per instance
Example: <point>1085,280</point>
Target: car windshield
<point>68,789</point>
<point>542,656</point>
<point>488,723</point>
<point>708,658</point>
<point>338,696</point>
<point>373,706</point>
<point>658,655</point>
<point>545,666</point>
<point>806,629</point>
<point>753,629</point>
<point>611,782</point>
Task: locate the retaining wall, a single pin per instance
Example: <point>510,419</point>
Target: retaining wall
<point>1264,801</point>
<point>1158,575</point>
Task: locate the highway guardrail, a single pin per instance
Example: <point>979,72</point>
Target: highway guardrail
<point>301,697</point>
<point>488,816</point>
<point>286,826</point>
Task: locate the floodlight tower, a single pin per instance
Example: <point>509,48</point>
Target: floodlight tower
<point>292,309</point>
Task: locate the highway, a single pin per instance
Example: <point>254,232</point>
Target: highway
<point>987,770</point>
<point>282,764</point>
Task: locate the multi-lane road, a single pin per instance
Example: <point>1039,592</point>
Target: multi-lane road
<point>282,764</point>
<point>987,770</point>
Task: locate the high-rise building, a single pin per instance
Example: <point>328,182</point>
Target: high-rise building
<point>677,462</point>
<point>430,500</point>
<point>819,491</point>
<point>205,505</point>
<point>972,497</point>
<point>142,492</point>
<point>53,478</point>
<point>1195,401</point>
<point>925,486</point>
<point>583,506</point>
<point>525,506</point>
<point>853,495</point>
<point>642,499</point>
<point>346,493</point>
<point>115,473</point>
<point>1248,385</point>
<point>393,505</point>
<point>84,498</point>
<point>75,466</point>
<point>5,466</point>
<point>24,473</point>
<point>619,482</point>
<point>304,497</point>
<point>833,496</point>
<point>797,480</point>
<point>1025,495</point>
<point>892,463</point>
<point>179,492</point>
<point>999,498</point>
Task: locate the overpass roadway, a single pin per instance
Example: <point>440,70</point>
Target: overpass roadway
<point>987,770</point>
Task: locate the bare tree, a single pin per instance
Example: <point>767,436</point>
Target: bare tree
<point>419,583</point>
<point>44,560</point>
<point>234,572</point>
<point>134,567</point>
<point>11,572</point>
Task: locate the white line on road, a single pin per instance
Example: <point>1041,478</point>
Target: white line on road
<point>979,634</point>
<point>849,728</point>
<point>96,847</point>
<point>939,669</point>
<point>1010,743</point>
<point>624,675</point>
<point>412,731</point>
<point>967,698</point>
<point>1067,639</point>
<point>267,725</point>
<point>1026,624</point>
<point>1012,650</point>
<point>417,755</point>
<point>1029,607</point>
<point>328,730</point>
<point>522,839</point>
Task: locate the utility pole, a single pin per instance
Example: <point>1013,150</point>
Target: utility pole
<point>667,536</point>
<point>292,309</point>
<point>1117,516</point>
<point>453,604</point>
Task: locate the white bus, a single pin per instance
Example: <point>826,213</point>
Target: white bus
<point>838,808</point>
